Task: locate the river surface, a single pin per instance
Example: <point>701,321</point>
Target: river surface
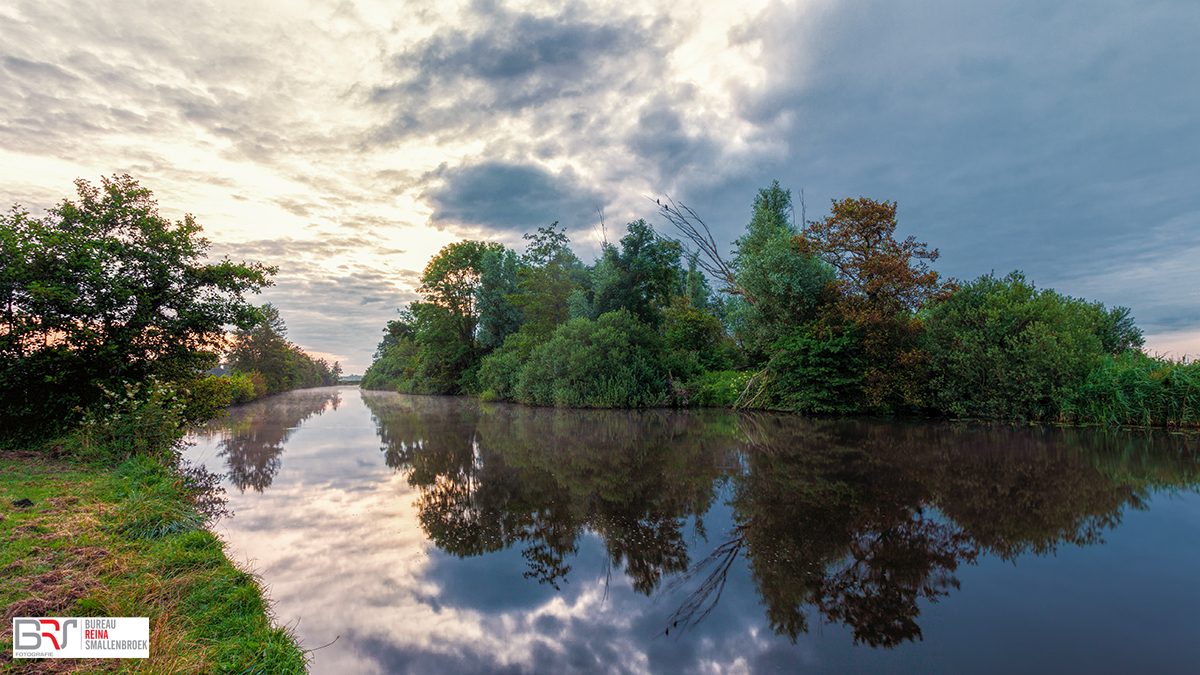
<point>443,535</point>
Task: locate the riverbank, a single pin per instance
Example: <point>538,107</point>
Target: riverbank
<point>85,539</point>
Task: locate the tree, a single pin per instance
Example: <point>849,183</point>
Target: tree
<point>498,316</point>
<point>881,284</point>
<point>395,360</point>
<point>103,289</point>
<point>640,276</point>
<point>782,284</point>
<point>264,349</point>
<point>446,320</point>
<point>1002,348</point>
<point>549,274</point>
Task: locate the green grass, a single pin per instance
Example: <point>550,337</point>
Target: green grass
<point>128,541</point>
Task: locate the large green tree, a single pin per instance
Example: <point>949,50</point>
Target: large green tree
<point>447,318</point>
<point>640,276</point>
<point>103,289</point>
<point>779,287</point>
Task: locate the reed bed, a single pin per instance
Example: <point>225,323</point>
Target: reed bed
<point>1136,389</point>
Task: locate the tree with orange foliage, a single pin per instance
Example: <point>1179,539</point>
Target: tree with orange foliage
<point>880,286</point>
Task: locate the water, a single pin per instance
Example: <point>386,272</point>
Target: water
<point>428,534</point>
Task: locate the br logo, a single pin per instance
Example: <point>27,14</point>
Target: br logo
<point>28,633</point>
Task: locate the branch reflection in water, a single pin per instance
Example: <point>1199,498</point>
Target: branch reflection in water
<point>253,435</point>
<point>858,521</point>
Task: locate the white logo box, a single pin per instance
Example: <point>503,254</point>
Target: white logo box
<point>76,637</point>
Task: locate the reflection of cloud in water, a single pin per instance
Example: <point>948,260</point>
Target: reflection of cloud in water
<point>253,435</point>
<point>342,537</point>
<point>371,577</point>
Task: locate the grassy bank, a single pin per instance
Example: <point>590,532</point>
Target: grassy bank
<point>129,540</point>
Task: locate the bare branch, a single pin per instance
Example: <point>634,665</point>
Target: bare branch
<point>704,598</point>
<point>691,226</point>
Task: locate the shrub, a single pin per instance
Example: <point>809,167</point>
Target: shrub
<point>613,362</point>
<point>1001,348</point>
<point>719,388</point>
<point>206,398</point>
<point>815,372</point>
<point>500,372</point>
<point>143,418</point>
<point>246,387</point>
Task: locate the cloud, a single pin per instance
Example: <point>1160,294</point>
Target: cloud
<point>1047,138</point>
<point>512,197</point>
<point>511,62</point>
<point>1053,138</point>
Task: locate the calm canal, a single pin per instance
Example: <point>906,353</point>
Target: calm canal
<point>429,534</point>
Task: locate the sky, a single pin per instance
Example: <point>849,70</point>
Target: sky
<point>348,141</point>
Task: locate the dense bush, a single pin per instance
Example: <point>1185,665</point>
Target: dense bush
<point>1001,348</point>
<point>612,362</point>
<point>815,372</point>
<point>500,372</point>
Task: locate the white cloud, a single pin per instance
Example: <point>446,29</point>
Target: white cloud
<point>1039,138</point>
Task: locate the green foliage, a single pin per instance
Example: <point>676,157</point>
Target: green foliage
<point>102,290</point>
<point>206,397</point>
<point>394,370</point>
<point>244,387</point>
<point>639,277</point>
<point>781,286</point>
<point>500,371</point>
<point>1001,348</point>
<point>1135,389</point>
<point>720,388</point>
<point>498,279</point>
<point>695,332</point>
<point>550,276</point>
<point>815,372</point>
<point>262,348</point>
<point>137,419</point>
<point>613,362</point>
<point>446,319</point>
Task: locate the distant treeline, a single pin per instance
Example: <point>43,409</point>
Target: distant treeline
<point>262,362</point>
<point>829,316</point>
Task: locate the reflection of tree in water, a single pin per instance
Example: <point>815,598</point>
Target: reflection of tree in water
<point>253,435</point>
<point>861,522</point>
<point>495,476</point>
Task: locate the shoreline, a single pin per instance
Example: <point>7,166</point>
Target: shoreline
<point>131,540</point>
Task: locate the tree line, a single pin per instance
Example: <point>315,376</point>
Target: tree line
<point>831,316</point>
<point>110,318</point>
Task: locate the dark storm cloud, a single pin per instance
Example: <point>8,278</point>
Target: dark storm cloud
<point>515,62</point>
<point>662,140</point>
<point>1045,137</point>
<point>530,51</point>
<point>512,197</point>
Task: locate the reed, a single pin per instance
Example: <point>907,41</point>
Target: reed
<point>1136,389</point>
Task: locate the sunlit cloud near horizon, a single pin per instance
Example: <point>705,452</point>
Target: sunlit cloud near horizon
<point>346,142</point>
